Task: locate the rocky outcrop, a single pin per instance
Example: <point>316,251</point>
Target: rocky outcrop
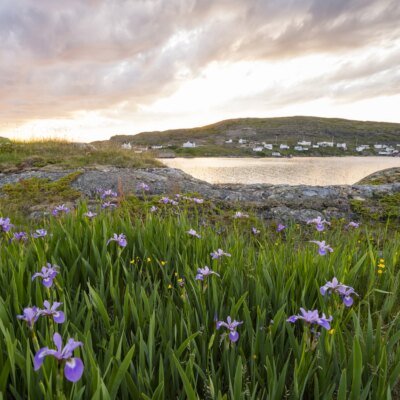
<point>281,202</point>
<point>390,175</point>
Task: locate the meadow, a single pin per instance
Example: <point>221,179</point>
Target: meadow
<point>145,317</point>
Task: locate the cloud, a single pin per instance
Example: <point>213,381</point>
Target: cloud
<point>58,58</point>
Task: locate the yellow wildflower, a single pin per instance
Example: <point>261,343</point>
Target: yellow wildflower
<point>163,263</point>
<point>148,259</point>
<point>332,331</point>
<point>380,271</point>
<point>169,286</point>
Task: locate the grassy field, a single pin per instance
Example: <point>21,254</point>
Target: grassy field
<point>148,327</point>
<point>18,156</point>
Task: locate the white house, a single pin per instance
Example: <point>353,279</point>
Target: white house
<point>325,144</point>
<point>156,147</point>
<point>229,141</point>
<point>276,154</point>
<point>242,141</point>
<point>127,146</point>
<point>315,146</point>
<point>362,147</point>
<point>268,146</point>
<point>304,143</point>
<point>378,146</point>
<point>189,144</point>
<point>385,153</point>
<point>298,148</point>
<point>341,146</point>
<point>284,147</point>
<point>258,148</point>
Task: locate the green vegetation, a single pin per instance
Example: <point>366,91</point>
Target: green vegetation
<point>19,156</point>
<point>21,197</point>
<point>381,208</point>
<point>148,328</point>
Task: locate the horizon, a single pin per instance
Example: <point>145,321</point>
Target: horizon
<point>74,73</point>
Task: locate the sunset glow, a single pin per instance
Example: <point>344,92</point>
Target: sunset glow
<point>86,70</point>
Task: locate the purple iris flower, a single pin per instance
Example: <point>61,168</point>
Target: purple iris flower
<point>73,368</point>
<point>51,311</point>
<point>218,254</point>
<point>5,224</point>
<point>47,274</point>
<point>20,236</point>
<point>39,233</point>
<point>231,325</point>
<point>344,291</point>
<point>60,209</point>
<point>120,239</point>
<point>202,272</point>
<point>165,200</point>
<point>197,201</point>
<point>193,233</point>
<point>280,227</point>
<point>319,223</point>
<point>143,186</point>
<point>239,215</point>
<point>30,315</point>
<point>153,209</point>
<point>89,214</point>
<point>108,204</point>
<point>323,247</point>
<point>353,224</point>
<point>108,193</point>
<point>254,231</point>
<point>312,318</point>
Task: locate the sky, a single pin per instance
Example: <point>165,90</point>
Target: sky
<point>85,70</point>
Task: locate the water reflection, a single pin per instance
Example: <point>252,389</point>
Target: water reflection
<point>294,171</point>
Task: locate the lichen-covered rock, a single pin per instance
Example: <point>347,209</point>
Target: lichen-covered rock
<point>390,175</point>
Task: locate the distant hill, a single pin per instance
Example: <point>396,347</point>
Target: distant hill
<point>284,130</point>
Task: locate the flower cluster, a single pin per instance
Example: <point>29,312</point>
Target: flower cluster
<point>167,200</point>
<point>73,366</point>
<point>344,291</point>
<point>381,266</point>
<point>31,314</point>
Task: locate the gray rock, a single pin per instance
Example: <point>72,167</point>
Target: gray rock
<point>281,202</point>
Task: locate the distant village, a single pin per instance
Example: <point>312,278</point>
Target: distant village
<point>282,149</point>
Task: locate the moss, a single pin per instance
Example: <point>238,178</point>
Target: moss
<point>20,197</point>
<point>381,209</point>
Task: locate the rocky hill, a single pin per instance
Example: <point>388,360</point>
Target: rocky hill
<point>287,129</point>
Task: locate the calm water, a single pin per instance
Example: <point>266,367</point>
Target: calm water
<point>292,171</point>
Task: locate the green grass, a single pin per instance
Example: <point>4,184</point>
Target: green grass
<point>146,337</point>
<point>18,156</point>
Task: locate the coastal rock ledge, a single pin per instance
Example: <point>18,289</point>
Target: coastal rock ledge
<point>281,202</point>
